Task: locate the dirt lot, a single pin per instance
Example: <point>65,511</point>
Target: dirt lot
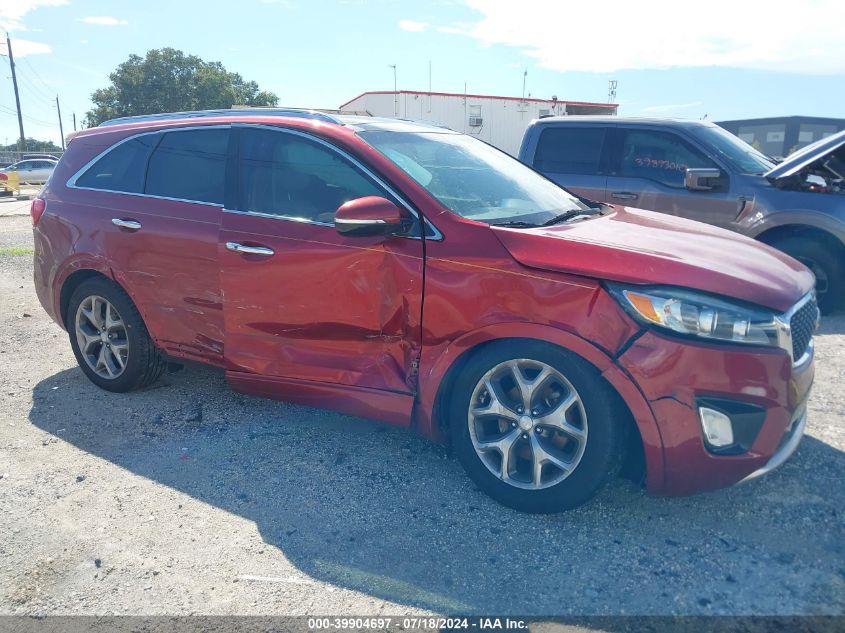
<point>187,498</point>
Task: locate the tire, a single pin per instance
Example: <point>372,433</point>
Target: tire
<point>596,415</point>
<point>141,364</point>
<point>825,263</point>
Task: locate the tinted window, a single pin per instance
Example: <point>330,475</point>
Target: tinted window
<point>122,169</point>
<point>568,149</point>
<point>660,156</point>
<point>189,165</point>
<point>291,176</point>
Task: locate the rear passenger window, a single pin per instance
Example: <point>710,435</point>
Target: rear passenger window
<point>189,165</point>
<point>122,169</point>
<point>288,175</point>
<point>567,149</point>
<point>660,156</point>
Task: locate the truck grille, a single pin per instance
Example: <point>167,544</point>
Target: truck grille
<point>803,324</point>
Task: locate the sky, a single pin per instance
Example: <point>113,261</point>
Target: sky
<point>720,59</point>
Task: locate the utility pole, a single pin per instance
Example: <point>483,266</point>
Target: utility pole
<point>61,129</point>
<point>22,141</point>
<point>395,91</point>
<point>74,121</point>
<point>524,79</point>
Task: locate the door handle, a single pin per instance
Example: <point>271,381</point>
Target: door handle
<point>250,250</point>
<point>623,195</point>
<point>132,225</point>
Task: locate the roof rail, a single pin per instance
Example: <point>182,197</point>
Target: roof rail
<point>287,112</point>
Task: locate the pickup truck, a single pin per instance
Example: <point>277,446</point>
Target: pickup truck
<point>698,170</point>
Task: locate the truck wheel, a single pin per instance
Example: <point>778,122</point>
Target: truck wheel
<point>825,265</point>
<point>535,427</point>
<point>109,338</point>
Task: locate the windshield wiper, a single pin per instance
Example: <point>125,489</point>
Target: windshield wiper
<point>516,223</point>
<point>569,215</point>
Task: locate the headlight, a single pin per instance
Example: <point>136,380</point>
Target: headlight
<point>697,314</point>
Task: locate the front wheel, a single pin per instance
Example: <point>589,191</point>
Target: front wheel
<point>109,338</point>
<point>825,264</point>
<point>535,427</point>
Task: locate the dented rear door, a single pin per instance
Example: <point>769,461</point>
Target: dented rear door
<point>301,301</point>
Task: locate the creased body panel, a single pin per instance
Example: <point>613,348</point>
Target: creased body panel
<point>636,246</point>
<point>323,307</point>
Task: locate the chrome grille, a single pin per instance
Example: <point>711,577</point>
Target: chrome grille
<point>803,324</point>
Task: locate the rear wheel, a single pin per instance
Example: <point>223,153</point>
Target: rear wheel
<point>825,264</point>
<point>109,338</point>
<point>535,427</point>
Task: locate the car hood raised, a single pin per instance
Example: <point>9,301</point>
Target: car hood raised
<point>807,156</point>
<point>641,247</point>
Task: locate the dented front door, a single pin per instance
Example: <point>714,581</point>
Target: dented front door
<point>301,301</point>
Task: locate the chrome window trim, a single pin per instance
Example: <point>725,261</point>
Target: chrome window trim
<point>71,183</point>
<point>784,330</point>
<point>437,235</point>
<point>273,216</point>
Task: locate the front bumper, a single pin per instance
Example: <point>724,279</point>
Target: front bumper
<point>674,374</point>
<point>789,444</point>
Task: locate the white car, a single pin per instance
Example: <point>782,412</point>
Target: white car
<point>34,171</point>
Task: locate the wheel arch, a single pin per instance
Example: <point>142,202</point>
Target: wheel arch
<point>71,283</point>
<point>439,378</point>
<point>772,235</point>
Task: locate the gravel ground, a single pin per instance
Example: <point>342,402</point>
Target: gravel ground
<point>187,498</point>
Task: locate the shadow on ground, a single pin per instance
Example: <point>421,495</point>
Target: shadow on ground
<point>375,509</point>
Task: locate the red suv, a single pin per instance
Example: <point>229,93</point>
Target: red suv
<point>411,274</point>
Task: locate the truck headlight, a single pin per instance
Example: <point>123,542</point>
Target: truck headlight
<point>702,315</point>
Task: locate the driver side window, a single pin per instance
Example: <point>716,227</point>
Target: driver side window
<point>291,176</point>
<point>660,156</point>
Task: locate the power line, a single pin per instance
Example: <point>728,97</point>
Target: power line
<point>33,90</point>
<point>37,76</point>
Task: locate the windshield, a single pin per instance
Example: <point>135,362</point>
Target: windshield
<point>739,154</point>
<point>473,179</point>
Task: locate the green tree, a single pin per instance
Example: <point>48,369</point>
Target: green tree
<point>33,146</point>
<point>168,80</point>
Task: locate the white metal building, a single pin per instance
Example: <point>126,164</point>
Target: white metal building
<point>500,121</point>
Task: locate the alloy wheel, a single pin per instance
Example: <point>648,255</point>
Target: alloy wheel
<point>527,424</point>
<point>102,338</point>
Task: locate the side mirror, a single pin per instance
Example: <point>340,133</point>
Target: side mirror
<point>702,179</point>
<point>370,215</point>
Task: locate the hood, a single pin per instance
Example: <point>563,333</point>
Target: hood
<point>642,247</point>
<point>813,155</point>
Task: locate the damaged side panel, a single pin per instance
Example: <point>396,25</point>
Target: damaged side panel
<point>323,307</point>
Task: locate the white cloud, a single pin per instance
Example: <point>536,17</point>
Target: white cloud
<point>12,12</point>
<point>103,20</point>
<point>25,48</point>
<point>413,25</point>
<point>669,107</point>
<point>620,34</point>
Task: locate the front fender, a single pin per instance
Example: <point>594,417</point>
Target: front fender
<point>435,366</point>
<point>755,226</point>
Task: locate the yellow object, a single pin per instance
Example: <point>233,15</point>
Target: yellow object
<point>12,182</point>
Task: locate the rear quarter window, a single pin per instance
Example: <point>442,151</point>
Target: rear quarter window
<point>122,168</point>
<point>567,149</point>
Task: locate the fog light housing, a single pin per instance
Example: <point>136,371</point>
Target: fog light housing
<point>717,427</point>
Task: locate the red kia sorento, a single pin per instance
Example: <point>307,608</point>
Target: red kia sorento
<point>410,274</point>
